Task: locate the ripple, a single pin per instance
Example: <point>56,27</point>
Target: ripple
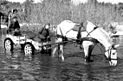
<point>16,67</point>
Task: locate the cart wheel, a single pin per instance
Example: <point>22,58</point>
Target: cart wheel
<point>8,44</point>
<point>28,49</point>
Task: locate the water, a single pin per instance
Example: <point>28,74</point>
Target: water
<point>42,67</point>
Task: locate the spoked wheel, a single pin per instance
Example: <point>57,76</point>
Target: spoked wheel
<point>8,45</point>
<point>28,49</point>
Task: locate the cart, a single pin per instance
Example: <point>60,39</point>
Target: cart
<point>28,46</point>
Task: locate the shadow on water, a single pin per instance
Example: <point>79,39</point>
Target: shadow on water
<point>42,67</point>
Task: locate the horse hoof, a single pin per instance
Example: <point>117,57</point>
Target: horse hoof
<point>62,58</point>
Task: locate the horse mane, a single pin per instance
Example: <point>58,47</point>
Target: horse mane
<point>90,26</point>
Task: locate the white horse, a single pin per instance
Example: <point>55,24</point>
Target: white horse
<point>91,36</point>
<point>116,27</point>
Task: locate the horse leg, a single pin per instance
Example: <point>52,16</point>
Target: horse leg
<point>57,47</point>
<point>54,51</point>
<point>60,52</point>
<point>86,46</point>
<point>90,52</point>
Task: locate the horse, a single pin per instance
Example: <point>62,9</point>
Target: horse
<point>88,38</point>
<point>116,28</point>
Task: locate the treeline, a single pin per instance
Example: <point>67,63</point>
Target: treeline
<point>55,11</point>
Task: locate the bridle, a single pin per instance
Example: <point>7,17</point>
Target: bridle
<point>110,53</point>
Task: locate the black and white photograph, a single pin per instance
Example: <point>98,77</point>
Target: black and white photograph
<point>61,40</point>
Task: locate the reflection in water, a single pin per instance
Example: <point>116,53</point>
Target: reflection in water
<point>88,72</point>
<point>43,67</point>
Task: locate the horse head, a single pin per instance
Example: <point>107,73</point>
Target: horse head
<point>104,38</point>
<point>52,30</point>
<point>111,55</point>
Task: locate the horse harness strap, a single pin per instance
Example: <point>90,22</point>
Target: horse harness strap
<point>89,39</point>
<point>64,38</point>
<point>61,31</point>
<point>92,30</point>
<point>42,30</point>
<point>69,30</point>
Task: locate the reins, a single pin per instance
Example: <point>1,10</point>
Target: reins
<point>91,31</point>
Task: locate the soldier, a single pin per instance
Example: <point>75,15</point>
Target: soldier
<point>13,23</point>
<point>14,27</point>
<point>44,33</point>
<point>11,15</point>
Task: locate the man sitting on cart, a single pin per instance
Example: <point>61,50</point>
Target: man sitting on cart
<point>43,34</point>
<point>13,25</point>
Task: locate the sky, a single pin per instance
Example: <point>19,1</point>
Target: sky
<point>112,1</point>
<point>105,1</point>
<point>21,1</point>
<point>75,1</point>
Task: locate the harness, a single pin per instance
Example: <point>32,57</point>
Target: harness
<point>92,30</point>
<point>89,39</point>
<point>42,30</point>
<point>110,54</point>
<point>64,38</point>
<point>79,39</point>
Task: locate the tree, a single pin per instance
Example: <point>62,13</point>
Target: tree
<point>27,6</point>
